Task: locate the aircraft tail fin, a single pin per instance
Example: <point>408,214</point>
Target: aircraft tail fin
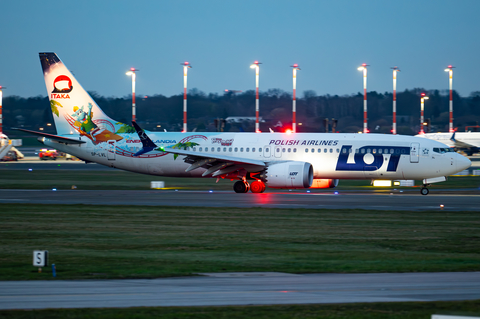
<point>74,111</point>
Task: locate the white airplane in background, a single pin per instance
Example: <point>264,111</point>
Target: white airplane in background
<point>469,142</point>
<point>254,160</point>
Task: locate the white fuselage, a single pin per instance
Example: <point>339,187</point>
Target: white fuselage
<point>332,155</point>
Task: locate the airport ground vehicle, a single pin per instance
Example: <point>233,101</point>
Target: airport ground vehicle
<point>253,160</point>
<point>48,154</point>
<point>10,156</point>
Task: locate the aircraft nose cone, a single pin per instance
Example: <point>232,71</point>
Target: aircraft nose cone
<point>463,162</point>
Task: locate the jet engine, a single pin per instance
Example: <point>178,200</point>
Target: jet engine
<point>289,175</point>
<point>324,183</point>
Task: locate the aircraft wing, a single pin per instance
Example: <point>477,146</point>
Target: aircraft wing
<point>217,164</point>
<point>461,144</point>
<point>60,139</point>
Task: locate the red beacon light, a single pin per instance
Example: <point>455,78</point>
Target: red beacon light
<point>288,131</point>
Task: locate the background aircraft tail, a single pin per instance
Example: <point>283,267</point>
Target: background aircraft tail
<point>74,111</point>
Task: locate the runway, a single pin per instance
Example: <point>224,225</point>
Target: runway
<point>389,200</point>
<point>241,289</point>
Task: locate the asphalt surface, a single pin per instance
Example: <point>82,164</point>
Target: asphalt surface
<point>241,289</point>
<point>342,200</point>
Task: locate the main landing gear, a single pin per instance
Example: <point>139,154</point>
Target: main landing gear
<point>424,190</point>
<point>244,187</point>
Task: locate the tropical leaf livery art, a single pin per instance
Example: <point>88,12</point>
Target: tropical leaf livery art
<point>53,105</point>
<point>184,146</point>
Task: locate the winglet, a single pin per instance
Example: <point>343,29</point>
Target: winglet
<point>453,137</point>
<point>147,143</point>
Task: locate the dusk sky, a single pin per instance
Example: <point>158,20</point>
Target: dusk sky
<point>100,40</point>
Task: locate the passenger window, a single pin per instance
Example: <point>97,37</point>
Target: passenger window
<point>283,150</point>
<point>260,149</point>
<point>324,150</point>
<point>218,149</point>
<point>294,150</point>
<point>213,149</point>
<point>391,151</point>
<point>194,148</point>
<point>397,151</point>
<point>356,151</point>
<point>331,150</point>
<point>289,150</point>
<point>247,149</point>
<point>380,151</point>
<point>253,149</point>
<point>369,151</point>
<point>313,150</point>
<point>199,149</point>
<point>362,151</point>
<point>306,150</point>
<point>338,150</point>
<point>374,151</point>
<point>278,150</point>
<point>241,149</point>
<point>319,150</point>
<point>344,150</point>
<point>224,149</point>
<point>385,151</point>
<point>350,150</point>
<point>230,149</point>
<point>236,149</point>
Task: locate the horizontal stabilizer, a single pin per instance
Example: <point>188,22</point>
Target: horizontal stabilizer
<point>60,139</point>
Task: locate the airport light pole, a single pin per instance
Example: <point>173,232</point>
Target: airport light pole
<point>294,102</point>
<point>422,101</point>
<point>363,68</point>
<point>1,116</point>
<point>256,66</point>
<point>186,66</point>
<point>394,125</point>
<point>132,73</point>
<point>449,69</point>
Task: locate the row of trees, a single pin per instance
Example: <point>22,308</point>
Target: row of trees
<point>159,112</point>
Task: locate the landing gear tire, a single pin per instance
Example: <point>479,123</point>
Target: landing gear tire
<point>424,191</point>
<point>257,187</point>
<point>241,187</point>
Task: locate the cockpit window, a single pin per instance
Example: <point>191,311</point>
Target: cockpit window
<point>443,150</point>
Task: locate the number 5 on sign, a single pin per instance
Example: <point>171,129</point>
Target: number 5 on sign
<point>40,258</point>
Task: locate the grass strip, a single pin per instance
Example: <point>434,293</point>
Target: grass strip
<point>87,241</point>
<point>398,310</point>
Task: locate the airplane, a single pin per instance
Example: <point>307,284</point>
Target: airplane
<point>254,160</point>
<point>469,142</point>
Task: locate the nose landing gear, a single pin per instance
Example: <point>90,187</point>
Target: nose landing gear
<point>424,190</point>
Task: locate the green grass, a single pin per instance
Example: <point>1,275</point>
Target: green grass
<point>116,179</point>
<point>87,241</point>
<point>398,310</point>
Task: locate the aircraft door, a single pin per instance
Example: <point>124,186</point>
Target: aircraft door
<point>267,151</point>
<point>277,151</point>
<point>414,152</point>
<point>111,150</point>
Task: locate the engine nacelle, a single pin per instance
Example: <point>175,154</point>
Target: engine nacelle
<point>289,175</point>
<point>324,183</point>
